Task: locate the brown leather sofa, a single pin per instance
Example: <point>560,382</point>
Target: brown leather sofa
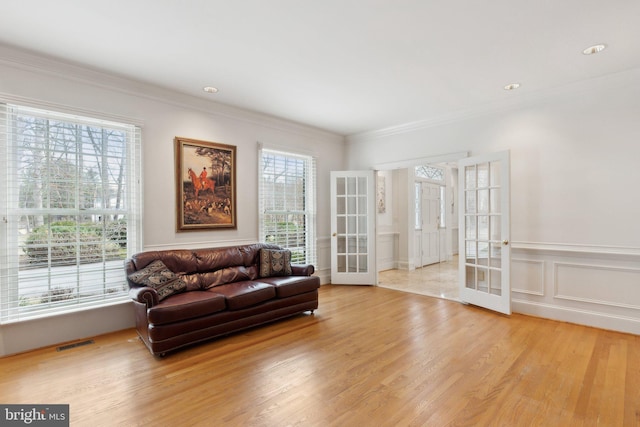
<point>195,295</point>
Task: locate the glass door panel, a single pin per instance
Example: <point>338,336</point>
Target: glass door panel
<point>353,242</point>
<point>484,200</point>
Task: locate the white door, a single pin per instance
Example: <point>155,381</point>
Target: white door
<point>353,250</point>
<point>428,242</point>
<point>485,227</point>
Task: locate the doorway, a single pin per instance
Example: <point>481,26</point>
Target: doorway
<point>438,280</point>
<point>420,254</point>
<point>429,216</point>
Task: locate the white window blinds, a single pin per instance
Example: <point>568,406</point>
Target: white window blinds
<point>287,205</point>
<point>70,201</point>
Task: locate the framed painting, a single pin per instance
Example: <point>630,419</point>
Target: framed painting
<point>205,185</point>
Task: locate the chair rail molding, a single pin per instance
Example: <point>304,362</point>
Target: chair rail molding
<point>594,285</point>
<point>577,248</point>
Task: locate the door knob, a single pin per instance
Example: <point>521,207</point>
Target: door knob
<point>334,234</point>
<point>505,242</point>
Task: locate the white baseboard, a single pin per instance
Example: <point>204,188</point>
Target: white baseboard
<point>577,316</point>
<point>324,275</point>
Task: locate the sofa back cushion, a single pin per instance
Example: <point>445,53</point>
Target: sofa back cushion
<point>205,268</point>
<point>240,273</point>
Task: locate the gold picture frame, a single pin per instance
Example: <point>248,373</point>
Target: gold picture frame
<point>205,185</point>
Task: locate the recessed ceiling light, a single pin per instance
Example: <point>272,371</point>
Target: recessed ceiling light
<point>210,89</point>
<point>512,86</point>
<point>594,49</point>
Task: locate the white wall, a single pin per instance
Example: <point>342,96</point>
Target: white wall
<point>163,115</point>
<point>575,225</point>
<point>386,233</point>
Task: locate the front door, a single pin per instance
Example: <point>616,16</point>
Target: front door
<point>353,254</point>
<point>430,224</point>
<point>484,238</point>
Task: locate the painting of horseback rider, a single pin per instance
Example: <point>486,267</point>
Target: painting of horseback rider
<point>203,175</point>
<point>206,199</point>
<point>201,183</point>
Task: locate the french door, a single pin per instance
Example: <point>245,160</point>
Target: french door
<point>485,221</point>
<point>353,253</point>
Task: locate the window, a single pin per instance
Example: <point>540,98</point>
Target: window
<point>417,200</point>
<point>70,203</point>
<point>443,207</point>
<point>287,203</point>
<point>430,172</point>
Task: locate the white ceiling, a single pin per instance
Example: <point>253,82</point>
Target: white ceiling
<point>347,66</point>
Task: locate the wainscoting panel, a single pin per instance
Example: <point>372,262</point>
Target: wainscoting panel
<point>589,285</point>
<point>597,284</point>
<point>527,276</point>
<point>454,240</point>
<point>323,269</point>
<point>387,244</point>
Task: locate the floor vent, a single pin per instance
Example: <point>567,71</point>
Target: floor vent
<point>74,345</point>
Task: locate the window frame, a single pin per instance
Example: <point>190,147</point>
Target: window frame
<point>106,278</point>
<point>308,210</point>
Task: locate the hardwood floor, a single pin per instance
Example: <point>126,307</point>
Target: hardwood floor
<point>369,356</point>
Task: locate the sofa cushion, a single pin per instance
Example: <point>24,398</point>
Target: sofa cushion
<point>275,262</point>
<point>227,275</point>
<point>245,294</point>
<point>187,305</point>
<point>293,285</point>
<point>157,276</point>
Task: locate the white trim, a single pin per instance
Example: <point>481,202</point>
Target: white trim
<point>32,334</point>
<point>324,274</point>
<point>576,248</point>
<point>578,316</point>
<point>284,149</point>
<point>66,109</point>
<point>200,245</point>
<point>612,81</point>
<point>16,58</point>
<point>556,290</point>
<point>408,163</point>
<point>405,265</point>
<point>541,284</point>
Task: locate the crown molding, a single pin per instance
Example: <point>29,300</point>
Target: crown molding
<point>578,249</point>
<point>68,109</point>
<point>41,64</point>
<point>29,61</point>
<point>408,163</point>
<point>607,82</point>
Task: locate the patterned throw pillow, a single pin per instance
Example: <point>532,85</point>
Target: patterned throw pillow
<point>157,276</point>
<point>275,262</point>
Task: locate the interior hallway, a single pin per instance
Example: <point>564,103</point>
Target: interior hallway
<point>436,280</point>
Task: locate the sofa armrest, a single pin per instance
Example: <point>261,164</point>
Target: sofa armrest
<point>302,269</point>
<point>144,295</point>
